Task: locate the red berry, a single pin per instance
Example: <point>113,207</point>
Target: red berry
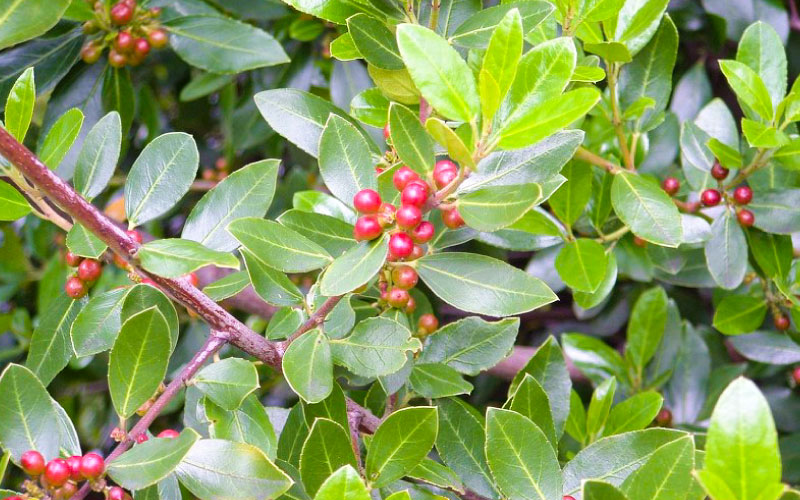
<point>72,260</point>
<point>402,176</point>
<point>568,497</point>
<point>56,472</point>
<point>745,217</point>
<point>671,185</point>
<point>444,178</point>
<point>123,42</point>
<point>782,322</point>
<point>32,462</point>
<point>416,253</point>
<point>386,132</point>
<point>404,277</point>
<point>116,60</point>
<point>411,305</point>
<point>367,201</point>
<point>157,38</point>
<point>664,417</point>
<point>141,438</point>
<point>134,235</point>
<point>415,193</point>
<point>719,172</point>
<point>639,242</point>
<point>192,279</point>
<point>367,228</point>
<point>15,497</point>
<point>444,165</point>
<point>89,270</point>
<point>452,218</point>
<point>121,13</point>
<point>379,169</point>
<point>423,233</point>
<point>141,46</point>
<point>398,297</point>
<point>90,53</point>
<point>742,195</point>
<point>400,245</point>
<point>428,323</point>
<point>92,466</point>
<point>66,491</point>
<point>74,463</point>
<point>710,197</point>
<point>796,374</point>
<point>75,288</point>
<point>386,214</point>
<point>168,433</point>
<point>408,216</point>
<point>116,493</point>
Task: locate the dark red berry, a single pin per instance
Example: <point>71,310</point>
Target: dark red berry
<point>411,305</point>
<point>116,60</point>
<point>415,193</point>
<point>74,463</point>
<point>168,433</point>
<point>386,214</point>
<point>92,466</point>
<point>90,53</point>
<point>141,47</point>
<point>15,497</point>
<point>141,438</point>
<point>408,216</point>
<point>157,38</point>
<point>89,270</point>
<point>121,13</point>
<point>386,132</point>
<point>710,197</point>
<point>404,277</point>
<point>443,166</point>
<point>72,260</point>
<point>664,417</point>
<point>782,322</point>
<point>719,172</point>
<point>367,228</point>
<point>402,176</point>
<point>398,297</point>
<point>367,201</point>
<point>416,253</point>
<point>745,217</point>
<point>428,323</point>
<point>796,374</point>
<point>742,195</point>
<point>32,462</point>
<point>639,242</point>
<point>116,493</point>
<point>445,178</point>
<point>56,472</point>
<point>452,218</point>
<point>75,288</point>
<point>423,233</point>
<point>124,42</point>
<point>400,245</point>
<point>134,235</point>
<point>671,185</point>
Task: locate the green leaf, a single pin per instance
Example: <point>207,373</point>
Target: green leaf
<point>208,472</point>
<point>495,207</point>
<point>777,211</point>
<point>400,443</point>
<point>582,264</point>
<point>454,144</point>
<point>672,464</point>
<point>271,285</point>
<point>637,21</point>
<point>633,414</point>
<point>437,474</point>
<point>308,366</point>
<point>759,135</point>
<point>590,300</point>
<point>531,401</point>
<point>647,209</point>
<point>726,252</point>
<point>228,382</point>
<point>60,137</point>
<point>84,243</point>
<point>22,21</point>
<point>727,156</point>
<point>335,11</point>
<point>768,347</point>
<point>646,328</point>
<point>344,160</point>
<point>98,157</point>
<point>773,252</point>
<point>738,314</point>
<point>439,72</point>
<point>278,246</point>
<point>160,176</point>
<point>344,484</point>
<point>141,297</point>
<point>327,449</point>
<point>247,424</point>
<point>476,31</point>
<point>354,267</point>
<point>413,144</point>
<point>523,463</point>
<point>344,48</point>
<point>150,462</point>
<point>460,443</point>
<point>51,349</point>
<point>601,490</point>
<point>481,284</point>
<point>12,204</point>
<point>396,85</point>
<point>500,62</point>
<point>437,380</point>
<point>228,286</point>
<point>202,85</point>
<point>20,101</point>
<point>611,51</point>
<point>593,357</point>
<point>295,430</point>
<point>741,421</point>
<point>223,45</point>
<point>175,257</point>
<point>138,361</point>
<point>247,192</point>
<point>374,41</point>
<point>599,407</point>
<point>471,345</point>
<point>762,50</point>
<point>96,326</point>
<point>377,347</point>
<point>570,200</point>
<point>749,88</point>
<point>119,96</point>
<point>27,414</point>
<point>332,234</point>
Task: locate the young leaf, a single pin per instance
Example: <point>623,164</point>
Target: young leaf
<point>19,104</point>
<point>98,157</point>
<point>495,207</point>
<point>308,367</point>
<point>647,209</point>
<point>175,257</point>
<point>344,160</point>
<point>500,62</point>
<point>413,144</point>
<point>12,204</point>
<point>599,407</point>
<point>633,414</point>
<point>60,138</point>
<point>637,21</point>
<point>227,382</point>
<point>374,42</point>
<point>476,31</point>
<point>151,461</point>
<point>354,267</point>
<point>278,246</point>
<point>160,176</point>
<point>17,23</point>
<point>247,192</point>
<point>738,314</point>
<point>582,264</point>
<point>377,347</point>
<point>762,50</point>
<point>570,200</point>
<point>344,484</point>
<point>50,347</point>
<point>749,88</point>
<point>327,449</point>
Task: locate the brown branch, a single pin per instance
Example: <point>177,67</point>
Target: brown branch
<point>316,319</point>
<point>794,18</point>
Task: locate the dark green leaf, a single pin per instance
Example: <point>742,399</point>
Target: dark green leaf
<point>326,450</point>
<point>175,257</point>
<point>308,366</point>
<point>278,246</point>
<point>344,159</point>
<point>151,461</point>
<point>471,345</point>
<point>51,349</point>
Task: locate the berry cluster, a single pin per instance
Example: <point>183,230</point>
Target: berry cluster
<point>59,478</point>
<point>127,29</point>
<point>167,434</point>
<point>89,270</point>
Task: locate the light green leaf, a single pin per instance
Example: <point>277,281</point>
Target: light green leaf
<point>672,464</point>
<point>495,207</point>
<point>500,62</point>
<point>175,257</point>
<point>96,326</point>
<point>437,380</point>
<point>151,461</point>
<point>454,144</point>
<point>271,285</point>
<point>531,401</point>
<point>377,347</point>
<point>601,490</point>
<point>84,243</point>
<point>476,31</point>
<point>344,484</point>
<point>570,200</point>
<point>12,204</point>
<point>98,157</point>
<point>738,314</point>
<point>637,21</point>
<point>344,160</point>
<point>327,449</point>
<point>413,144</point>
<point>646,328</point>
<point>247,424</point>
<point>762,50</point>
<point>759,135</point>
<point>20,101</point>
<point>308,366</point>
<point>20,21</point>
<point>599,407</point>
<point>227,382</point>
<point>332,234</point>
<point>141,297</point>
<point>633,414</point>
<point>278,246</point>
<point>374,41</point>
<point>60,138</point>
<point>354,267</point>
<point>228,286</point>
<point>582,264</point>
<point>647,209</point>
<point>749,88</point>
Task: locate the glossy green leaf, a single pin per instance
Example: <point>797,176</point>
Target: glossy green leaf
<point>600,406</point>
<point>50,347</point>
<point>308,366</point>
<point>84,243</point>
<point>138,361</point>
<point>777,211</point>
<point>247,424</point>
<point>400,443</point>
<point>773,252</point>
<point>160,176</point>
<point>354,267</point>
<point>151,461</point>
<point>500,62</point>
<point>726,252</point>
<point>471,345</point>
<point>203,85</point>
<point>495,207</point>
<point>762,50</point>
<point>118,95</point>
<point>326,450</point>
<point>175,257</point>
<point>590,300</point>
<point>228,286</point>
<point>227,382</point>
<point>374,41</point>
<point>531,401</point>
<point>647,209</point>
<point>476,31</point>
<point>582,264</point>
<point>634,413</point>
<point>376,347</point>
<point>278,246</point>
<point>332,234</point>
<point>20,22</point>
<point>413,144</point>
<point>60,137</point>
<point>96,326</point>
<point>774,348</point>
<point>344,484</point>
<point>344,160</point>
<point>570,200</point>
<point>738,314</point>
<point>601,490</point>
<point>141,297</point>
<point>447,137</point>
<point>749,88</point>
<point>637,21</point>
<point>344,48</point>
<point>12,204</point>
<point>668,472</point>
<point>247,192</point>
<point>20,101</point>
<point>98,157</point>
<point>437,380</point>
<point>646,328</point>
<point>271,285</point>
<point>593,357</point>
